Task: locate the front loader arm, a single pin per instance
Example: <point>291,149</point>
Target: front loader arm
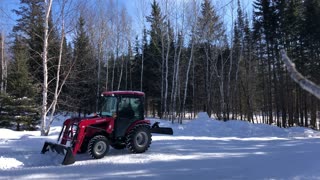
<point>72,135</point>
<point>78,139</point>
<point>86,129</point>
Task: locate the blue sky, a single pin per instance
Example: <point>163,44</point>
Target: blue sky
<point>7,17</point>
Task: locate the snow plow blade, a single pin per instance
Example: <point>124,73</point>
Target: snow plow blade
<point>61,150</point>
<point>160,130</point>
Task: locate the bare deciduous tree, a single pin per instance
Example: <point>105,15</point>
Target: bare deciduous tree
<point>45,108</point>
<point>48,5</point>
<point>192,25</point>
<point>141,7</point>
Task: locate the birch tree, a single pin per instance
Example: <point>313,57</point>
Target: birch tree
<point>166,42</point>
<point>141,8</point>
<point>59,83</point>
<point>3,64</point>
<point>180,24</point>
<point>123,40</point>
<point>192,26</point>
<point>44,110</point>
<point>100,34</point>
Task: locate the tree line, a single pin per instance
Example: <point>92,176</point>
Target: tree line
<point>185,58</point>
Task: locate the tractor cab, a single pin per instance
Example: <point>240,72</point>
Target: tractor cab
<point>125,107</point>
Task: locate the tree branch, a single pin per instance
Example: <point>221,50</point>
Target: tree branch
<point>299,78</point>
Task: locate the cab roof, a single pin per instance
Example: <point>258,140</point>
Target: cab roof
<point>115,93</point>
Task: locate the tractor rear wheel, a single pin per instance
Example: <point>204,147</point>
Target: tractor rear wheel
<point>98,147</point>
<point>139,139</point>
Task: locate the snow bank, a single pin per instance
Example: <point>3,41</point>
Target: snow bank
<point>205,126</point>
<point>8,163</point>
<point>204,148</point>
<point>10,134</point>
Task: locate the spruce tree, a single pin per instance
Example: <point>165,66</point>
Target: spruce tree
<point>18,106</point>
<point>209,60</point>
<point>152,76</point>
<point>82,84</point>
<point>311,34</point>
<point>30,28</point>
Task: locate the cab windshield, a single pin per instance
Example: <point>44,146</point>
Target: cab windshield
<point>108,106</point>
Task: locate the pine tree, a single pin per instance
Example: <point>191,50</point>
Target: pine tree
<point>30,27</point>
<point>211,37</point>
<point>311,33</point>
<point>20,81</point>
<point>152,83</point>
<point>264,33</point>
<point>18,106</point>
<point>310,51</point>
<point>82,84</point>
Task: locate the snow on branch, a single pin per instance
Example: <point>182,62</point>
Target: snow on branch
<point>299,78</point>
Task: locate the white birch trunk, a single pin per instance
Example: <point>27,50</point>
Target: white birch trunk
<point>107,74</point>
<point>162,74</point>
<point>187,79</point>
<point>166,74</point>
<point>121,72</point>
<point>3,65</point>
<point>100,56</point>
<point>142,64</point>
<point>231,59</point>
<point>44,125</point>
<point>56,91</point>
<point>176,86</point>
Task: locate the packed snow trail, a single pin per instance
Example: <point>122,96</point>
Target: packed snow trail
<point>200,149</point>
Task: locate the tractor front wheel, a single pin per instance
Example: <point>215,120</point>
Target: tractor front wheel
<point>98,147</point>
<point>139,139</point>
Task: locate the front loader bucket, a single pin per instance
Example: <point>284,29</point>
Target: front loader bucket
<point>61,150</point>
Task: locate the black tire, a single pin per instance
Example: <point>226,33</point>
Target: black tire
<point>98,147</point>
<point>118,146</point>
<point>139,139</point>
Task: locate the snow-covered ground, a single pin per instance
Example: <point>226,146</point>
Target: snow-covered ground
<point>203,149</point>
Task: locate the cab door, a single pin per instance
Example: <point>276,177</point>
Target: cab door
<point>130,109</point>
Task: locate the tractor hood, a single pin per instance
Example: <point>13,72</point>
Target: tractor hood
<point>92,118</point>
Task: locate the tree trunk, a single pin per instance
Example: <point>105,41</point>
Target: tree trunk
<point>187,78</point>
<point>142,68</point>
<point>121,72</point>
<point>100,57</point>
<point>3,66</point>
<point>44,125</point>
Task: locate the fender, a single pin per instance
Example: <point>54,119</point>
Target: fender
<point>146,122</point>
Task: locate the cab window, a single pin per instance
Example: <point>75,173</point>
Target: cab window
<point>131,108</point>
<point>109,106</point>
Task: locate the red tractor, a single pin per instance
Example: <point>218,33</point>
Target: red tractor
<point>119,124</point>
